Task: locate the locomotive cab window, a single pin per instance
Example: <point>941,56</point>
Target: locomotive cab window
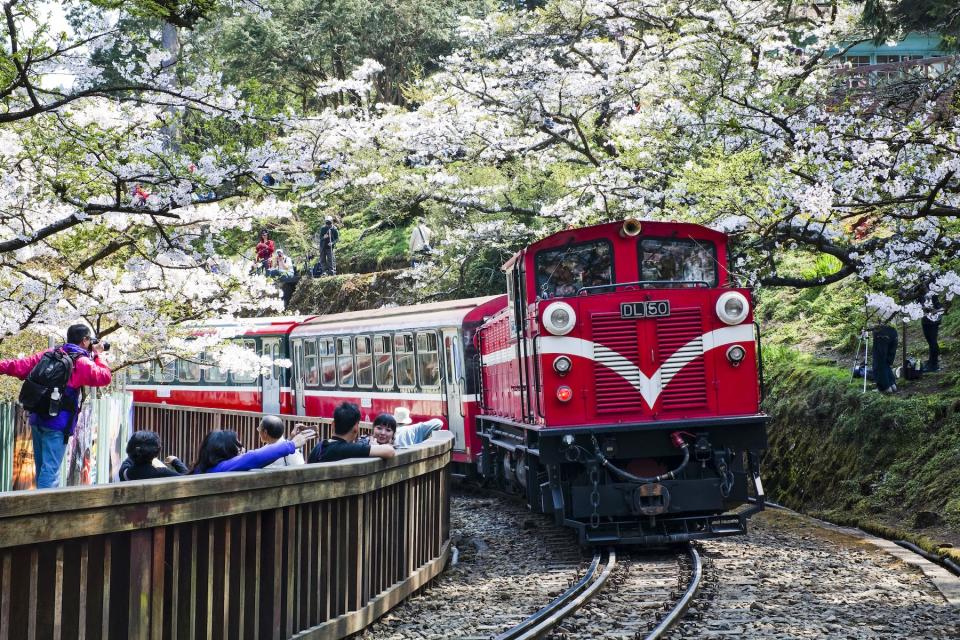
<point>564,271</point>
<point>678,262</point>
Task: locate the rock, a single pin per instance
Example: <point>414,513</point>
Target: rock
<point>924,519</point>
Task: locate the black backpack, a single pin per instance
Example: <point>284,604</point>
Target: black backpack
<point>53,372</point>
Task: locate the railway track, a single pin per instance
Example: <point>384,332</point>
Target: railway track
<point>621,614</point>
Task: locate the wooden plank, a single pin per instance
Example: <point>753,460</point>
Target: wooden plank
<point>175,561</point>
<point>32,612</point>
<point>5,588</point>
<point>105,603</point>
<point>157,582</point>
<point>82,591</point>
<point>57,630</point>
<point>140,561</point>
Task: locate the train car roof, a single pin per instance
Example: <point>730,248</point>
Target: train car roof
<point>272,325</point>
<point>420,316</point>
<point>655,228</point>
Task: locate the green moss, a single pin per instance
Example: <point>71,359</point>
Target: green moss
<point>837,450</point>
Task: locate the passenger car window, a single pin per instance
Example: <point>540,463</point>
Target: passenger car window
<point>383,355</point>
<point>165,372</point>
<point>138,372</point>
<point>678,262</point>
<point>364,362</point>
<point>310,366</point>
<point>188,371</point>
<point>251,376</point>
<point>563,271</point>
<point>406,367</point>
<point>328,362</point>
<point>345,361</point>
<point>428,359</point>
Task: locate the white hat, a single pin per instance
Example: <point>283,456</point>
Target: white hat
<point>402,415</point>
<point>328,219</point>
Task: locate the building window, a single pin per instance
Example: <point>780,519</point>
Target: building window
<point>345,361</point>
<point>328,362</point>
<point>383,355</point>
<point>428,359</point>
<point>364,362</point>
<point>856,61</point>
<point>403,348</point>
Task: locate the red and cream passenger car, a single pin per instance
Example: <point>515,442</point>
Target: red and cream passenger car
<point>420,357</point>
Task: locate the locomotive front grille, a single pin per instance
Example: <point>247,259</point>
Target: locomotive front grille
<point>680,347</point>
<point>614,379</point>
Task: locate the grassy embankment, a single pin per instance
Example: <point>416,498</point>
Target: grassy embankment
<point>888,464</point>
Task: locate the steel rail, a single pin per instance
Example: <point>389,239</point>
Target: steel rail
<point>566,603</point>
<point>680,608</point>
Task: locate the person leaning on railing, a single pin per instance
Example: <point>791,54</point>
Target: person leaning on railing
<point>222,451</point>
<point>142,462</point>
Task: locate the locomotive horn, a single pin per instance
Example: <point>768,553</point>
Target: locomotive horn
<point>630,228</point>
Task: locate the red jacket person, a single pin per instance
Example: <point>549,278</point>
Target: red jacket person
<point>50,432</point>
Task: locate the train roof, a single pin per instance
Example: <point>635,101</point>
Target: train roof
<point>420,316</point>
<point>272,325</point>
<point>655,228</point>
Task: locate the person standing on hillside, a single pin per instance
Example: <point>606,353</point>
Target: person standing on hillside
<point>265,251</point>
<point>884,355</point>
<point>420,247</point>
<point>930,323</point>
<point>54,410</point>
<point>327,238</point>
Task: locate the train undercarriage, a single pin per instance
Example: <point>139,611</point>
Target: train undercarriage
<point>647,483</point>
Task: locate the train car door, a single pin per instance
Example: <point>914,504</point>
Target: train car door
<point>454,381</point>
<point>296,378</point>
<point>270,381</point>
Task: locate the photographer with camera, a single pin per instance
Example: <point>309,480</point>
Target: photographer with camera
<point>52,392</point>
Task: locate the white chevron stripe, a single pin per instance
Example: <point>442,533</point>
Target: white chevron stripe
<point>649,388</point>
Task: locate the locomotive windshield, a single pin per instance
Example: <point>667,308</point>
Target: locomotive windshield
<point>564,271</point>
<point>678,262</point>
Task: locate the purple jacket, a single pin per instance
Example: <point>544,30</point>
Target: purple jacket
<point>256,459</point>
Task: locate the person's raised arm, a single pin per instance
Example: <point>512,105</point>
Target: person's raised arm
<point>383,451</point>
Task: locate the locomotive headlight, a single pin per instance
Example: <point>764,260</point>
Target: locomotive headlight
<point>562,365</point>
<point>559,318</point>
<point>736,354</point>
<point>732,307</point>
<point>564,393</point>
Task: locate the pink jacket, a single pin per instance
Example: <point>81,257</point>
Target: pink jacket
<point>87,372</point>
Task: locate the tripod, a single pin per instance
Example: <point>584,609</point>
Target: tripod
<point>862,339</point>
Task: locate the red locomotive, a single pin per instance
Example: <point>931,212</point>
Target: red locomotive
<point>620,384</point>
<point>616,383</point>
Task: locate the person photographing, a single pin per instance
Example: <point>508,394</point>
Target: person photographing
<point>53,381</point>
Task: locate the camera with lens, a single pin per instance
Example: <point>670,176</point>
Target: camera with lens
<point>106,344</point>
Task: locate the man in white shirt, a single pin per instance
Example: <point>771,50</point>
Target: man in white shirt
<point>420,243</point>
<point>271,431</point>
<point>408,433</point>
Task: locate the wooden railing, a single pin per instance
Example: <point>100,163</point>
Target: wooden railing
<point>316,551</point>
<point>181,429</point>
